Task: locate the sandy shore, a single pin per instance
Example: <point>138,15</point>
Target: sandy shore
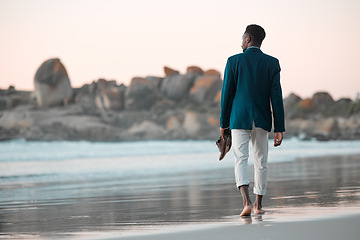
<point>334,228</point>
<point>313,198</point>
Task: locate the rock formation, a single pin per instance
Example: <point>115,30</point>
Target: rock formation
<point>141,94</point>
<point>176,106</point>
<point>205,88</point>
<point>176,86</point>
<point>321,117</point>
<point>52,84</point>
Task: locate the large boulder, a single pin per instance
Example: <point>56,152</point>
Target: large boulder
<point>141,94</point>
<point>102,94</point>
<point>156,81</point>
<point>292,100</point>
<point>52,84</point>
<point>205,89</point>
<point>177,86</point>
<point>291,105</point>
<point>322,99</point>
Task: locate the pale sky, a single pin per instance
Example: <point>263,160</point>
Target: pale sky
<point>316,41</point>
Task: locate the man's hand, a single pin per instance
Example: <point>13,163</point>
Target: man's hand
<point>278,137</point>
<point>222,132</point>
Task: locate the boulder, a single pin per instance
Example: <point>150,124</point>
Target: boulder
<point>307,104</point>
<point>97,87</point>
<point>168,71</point>
<point>194,69</point>
<point>52,84</point>
<point>176,87</point>
<point>291,105</point>
<point>141,94</point>
<point>292,100</point>
<point>156,81</point>
<point>82,95</point>
<point>205,89</point>
<point>112,98</point>
<point>322,99</point>
<point>213,72</point>
<point>102,94</point>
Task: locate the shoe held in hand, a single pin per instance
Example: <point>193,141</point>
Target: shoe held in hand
<point>224,145</point>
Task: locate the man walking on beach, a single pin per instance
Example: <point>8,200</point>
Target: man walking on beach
<point>251,89</point>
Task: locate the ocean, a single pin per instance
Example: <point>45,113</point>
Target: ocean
<point>25,164</point>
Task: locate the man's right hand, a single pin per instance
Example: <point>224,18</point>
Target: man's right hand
<point>278,137</point>
<point>222,133</point>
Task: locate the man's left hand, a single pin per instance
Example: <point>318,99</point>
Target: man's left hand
<point>278,137</point>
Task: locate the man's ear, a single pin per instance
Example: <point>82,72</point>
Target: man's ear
<point>248,39</point>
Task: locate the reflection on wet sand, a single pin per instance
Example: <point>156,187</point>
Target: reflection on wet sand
<point>303,187</point>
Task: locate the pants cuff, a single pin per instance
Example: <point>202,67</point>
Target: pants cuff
<point>259,192</point>
<point>244,183</point>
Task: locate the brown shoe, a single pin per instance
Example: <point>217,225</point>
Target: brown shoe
<point>224,145</point>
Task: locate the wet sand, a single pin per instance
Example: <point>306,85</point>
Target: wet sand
<point>315,198</point>
<point>335,228</point>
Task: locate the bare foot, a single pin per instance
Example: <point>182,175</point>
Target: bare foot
<point>258,211</point>
<point>246,211</point>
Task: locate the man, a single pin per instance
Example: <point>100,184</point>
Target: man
<point>251,89</point>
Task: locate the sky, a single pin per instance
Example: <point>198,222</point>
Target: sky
<point>316,42</point>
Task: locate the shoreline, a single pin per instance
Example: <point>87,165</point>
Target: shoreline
<point>344,226</point>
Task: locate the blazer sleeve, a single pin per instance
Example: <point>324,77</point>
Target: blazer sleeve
<point>227,95</point>
<point>277,102</point>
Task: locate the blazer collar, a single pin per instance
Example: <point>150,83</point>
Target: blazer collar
<point>253,49</point>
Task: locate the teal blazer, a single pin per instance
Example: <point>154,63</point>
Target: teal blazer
<point>251,88</point>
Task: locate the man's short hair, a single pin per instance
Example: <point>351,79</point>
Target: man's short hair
<point>256,33</point>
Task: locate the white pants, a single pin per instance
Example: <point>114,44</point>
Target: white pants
<point>240,145</point>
